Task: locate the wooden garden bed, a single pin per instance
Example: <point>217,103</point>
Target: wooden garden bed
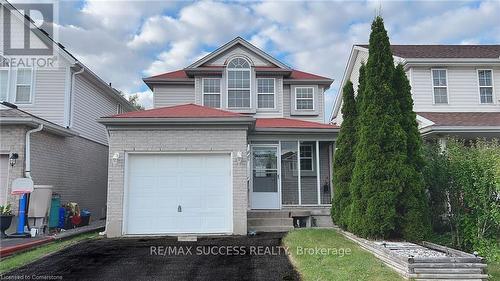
<point>425,261</point>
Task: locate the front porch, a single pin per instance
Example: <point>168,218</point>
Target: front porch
<point>289,181</point>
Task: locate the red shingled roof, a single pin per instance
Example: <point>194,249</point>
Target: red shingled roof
<point>178,74</point>
<point>445,51</point>
<point>463,118</point>
<point>296,74</point>
<point>291,123</point>
<point>179,111</point>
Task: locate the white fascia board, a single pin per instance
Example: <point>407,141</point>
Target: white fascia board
<point>228,45</point>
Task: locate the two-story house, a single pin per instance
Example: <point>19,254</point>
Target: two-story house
<point>455,88</point>
<point>235,141</point>
<point>48,122</point>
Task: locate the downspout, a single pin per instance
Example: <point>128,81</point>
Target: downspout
<point>27,172</point>
<point>71,94</point>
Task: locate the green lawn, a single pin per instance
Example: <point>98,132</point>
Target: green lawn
<point>355,264</point>
<point>18,260</point>
<point>494,271</point>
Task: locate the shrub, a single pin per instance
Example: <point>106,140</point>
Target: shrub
<point>468,183</point>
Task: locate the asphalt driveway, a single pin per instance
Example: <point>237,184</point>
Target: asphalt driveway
<point>221,258</point>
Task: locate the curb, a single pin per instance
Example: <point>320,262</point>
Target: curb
<point>14,249</point>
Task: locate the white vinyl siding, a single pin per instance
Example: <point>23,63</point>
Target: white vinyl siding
<point>463,90</point>
<point>211,92</point>
<point>304,98</point>
<point>485,79</point>
<point>238,50</point>
<point>24,85</point>
<point>266,95</point>
<point>440,86</point>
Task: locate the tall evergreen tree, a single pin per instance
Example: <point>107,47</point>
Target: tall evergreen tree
<point>412,207</point>
<point>381,147</point>
<point>356,194</point>
<point>343,163</point>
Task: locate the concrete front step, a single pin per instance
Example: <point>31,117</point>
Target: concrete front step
<point>268,214</point>
<point>270,228</point>
<point>269,222</point>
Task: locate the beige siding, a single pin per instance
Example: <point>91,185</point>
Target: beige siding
<point>12,141</point>
<point>169,95</point>
<point>286,101</point>
<point>48,95</point>
<point>123,141</point>
<point>74,166</point>
<point>463,92</point>
<point>89,104</point>
<point>235,51</point>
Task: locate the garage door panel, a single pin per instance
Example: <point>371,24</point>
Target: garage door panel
<point>159,183</point>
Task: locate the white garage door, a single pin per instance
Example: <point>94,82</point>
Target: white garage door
<point>178,193</point>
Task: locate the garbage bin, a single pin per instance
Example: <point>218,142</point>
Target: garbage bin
<point>85,215</point>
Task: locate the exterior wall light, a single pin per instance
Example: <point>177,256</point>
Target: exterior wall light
<point>13,159</point>
<point>115,158</point>
<point>239,157</point>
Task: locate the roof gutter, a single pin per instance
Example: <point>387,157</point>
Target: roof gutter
<point>459,129</point>
<point>297,130</point>
<point>176,121</point>
<point>31,122</point>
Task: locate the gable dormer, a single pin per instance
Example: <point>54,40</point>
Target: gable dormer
<point>242,78</point>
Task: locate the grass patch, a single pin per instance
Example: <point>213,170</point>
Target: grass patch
<point>17,260</point>
<point>494,270</point>
<point>357,265</point>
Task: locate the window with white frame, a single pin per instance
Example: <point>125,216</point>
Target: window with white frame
<point>306,157</point>
<point>4,84</point>
<point>440,86</point>
<point>304,98</point>
<point>238,83</point>
<point>485,85</point>
<point>265,92</point>
<point>23,85</point>
<point>211,92</point>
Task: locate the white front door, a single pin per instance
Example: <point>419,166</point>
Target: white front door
<point>178,193</point>
<point>265,178</point>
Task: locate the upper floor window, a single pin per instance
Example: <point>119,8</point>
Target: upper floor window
<point>304,98</point>
<point>4,84</point>
<point>211,92</point>
<point>265,92</point>
<point>440,86</point>
<point>238,83</point>
<point>485,85</point>
<point>23,85</point>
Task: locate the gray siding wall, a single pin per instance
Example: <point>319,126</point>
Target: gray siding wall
<point>463,90</point>
<point>169,95</point>
<point>122,141</point>
<point>289,104</point>
<point>89,104</point>
<point>48,95</point>
<point>74,166</point>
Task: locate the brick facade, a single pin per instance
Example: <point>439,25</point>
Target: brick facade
<point>76,167</point>
<point>176,140</point>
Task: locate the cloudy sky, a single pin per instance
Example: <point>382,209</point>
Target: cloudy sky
<point>126,41</point>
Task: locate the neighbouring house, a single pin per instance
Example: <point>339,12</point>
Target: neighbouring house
<point>236,141</point>
<point>65,101</point>
<point>455,88</point>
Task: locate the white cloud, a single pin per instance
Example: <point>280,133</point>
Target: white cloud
<point>123,41</point>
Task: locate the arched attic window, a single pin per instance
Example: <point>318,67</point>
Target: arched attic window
<point>238,83</point>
